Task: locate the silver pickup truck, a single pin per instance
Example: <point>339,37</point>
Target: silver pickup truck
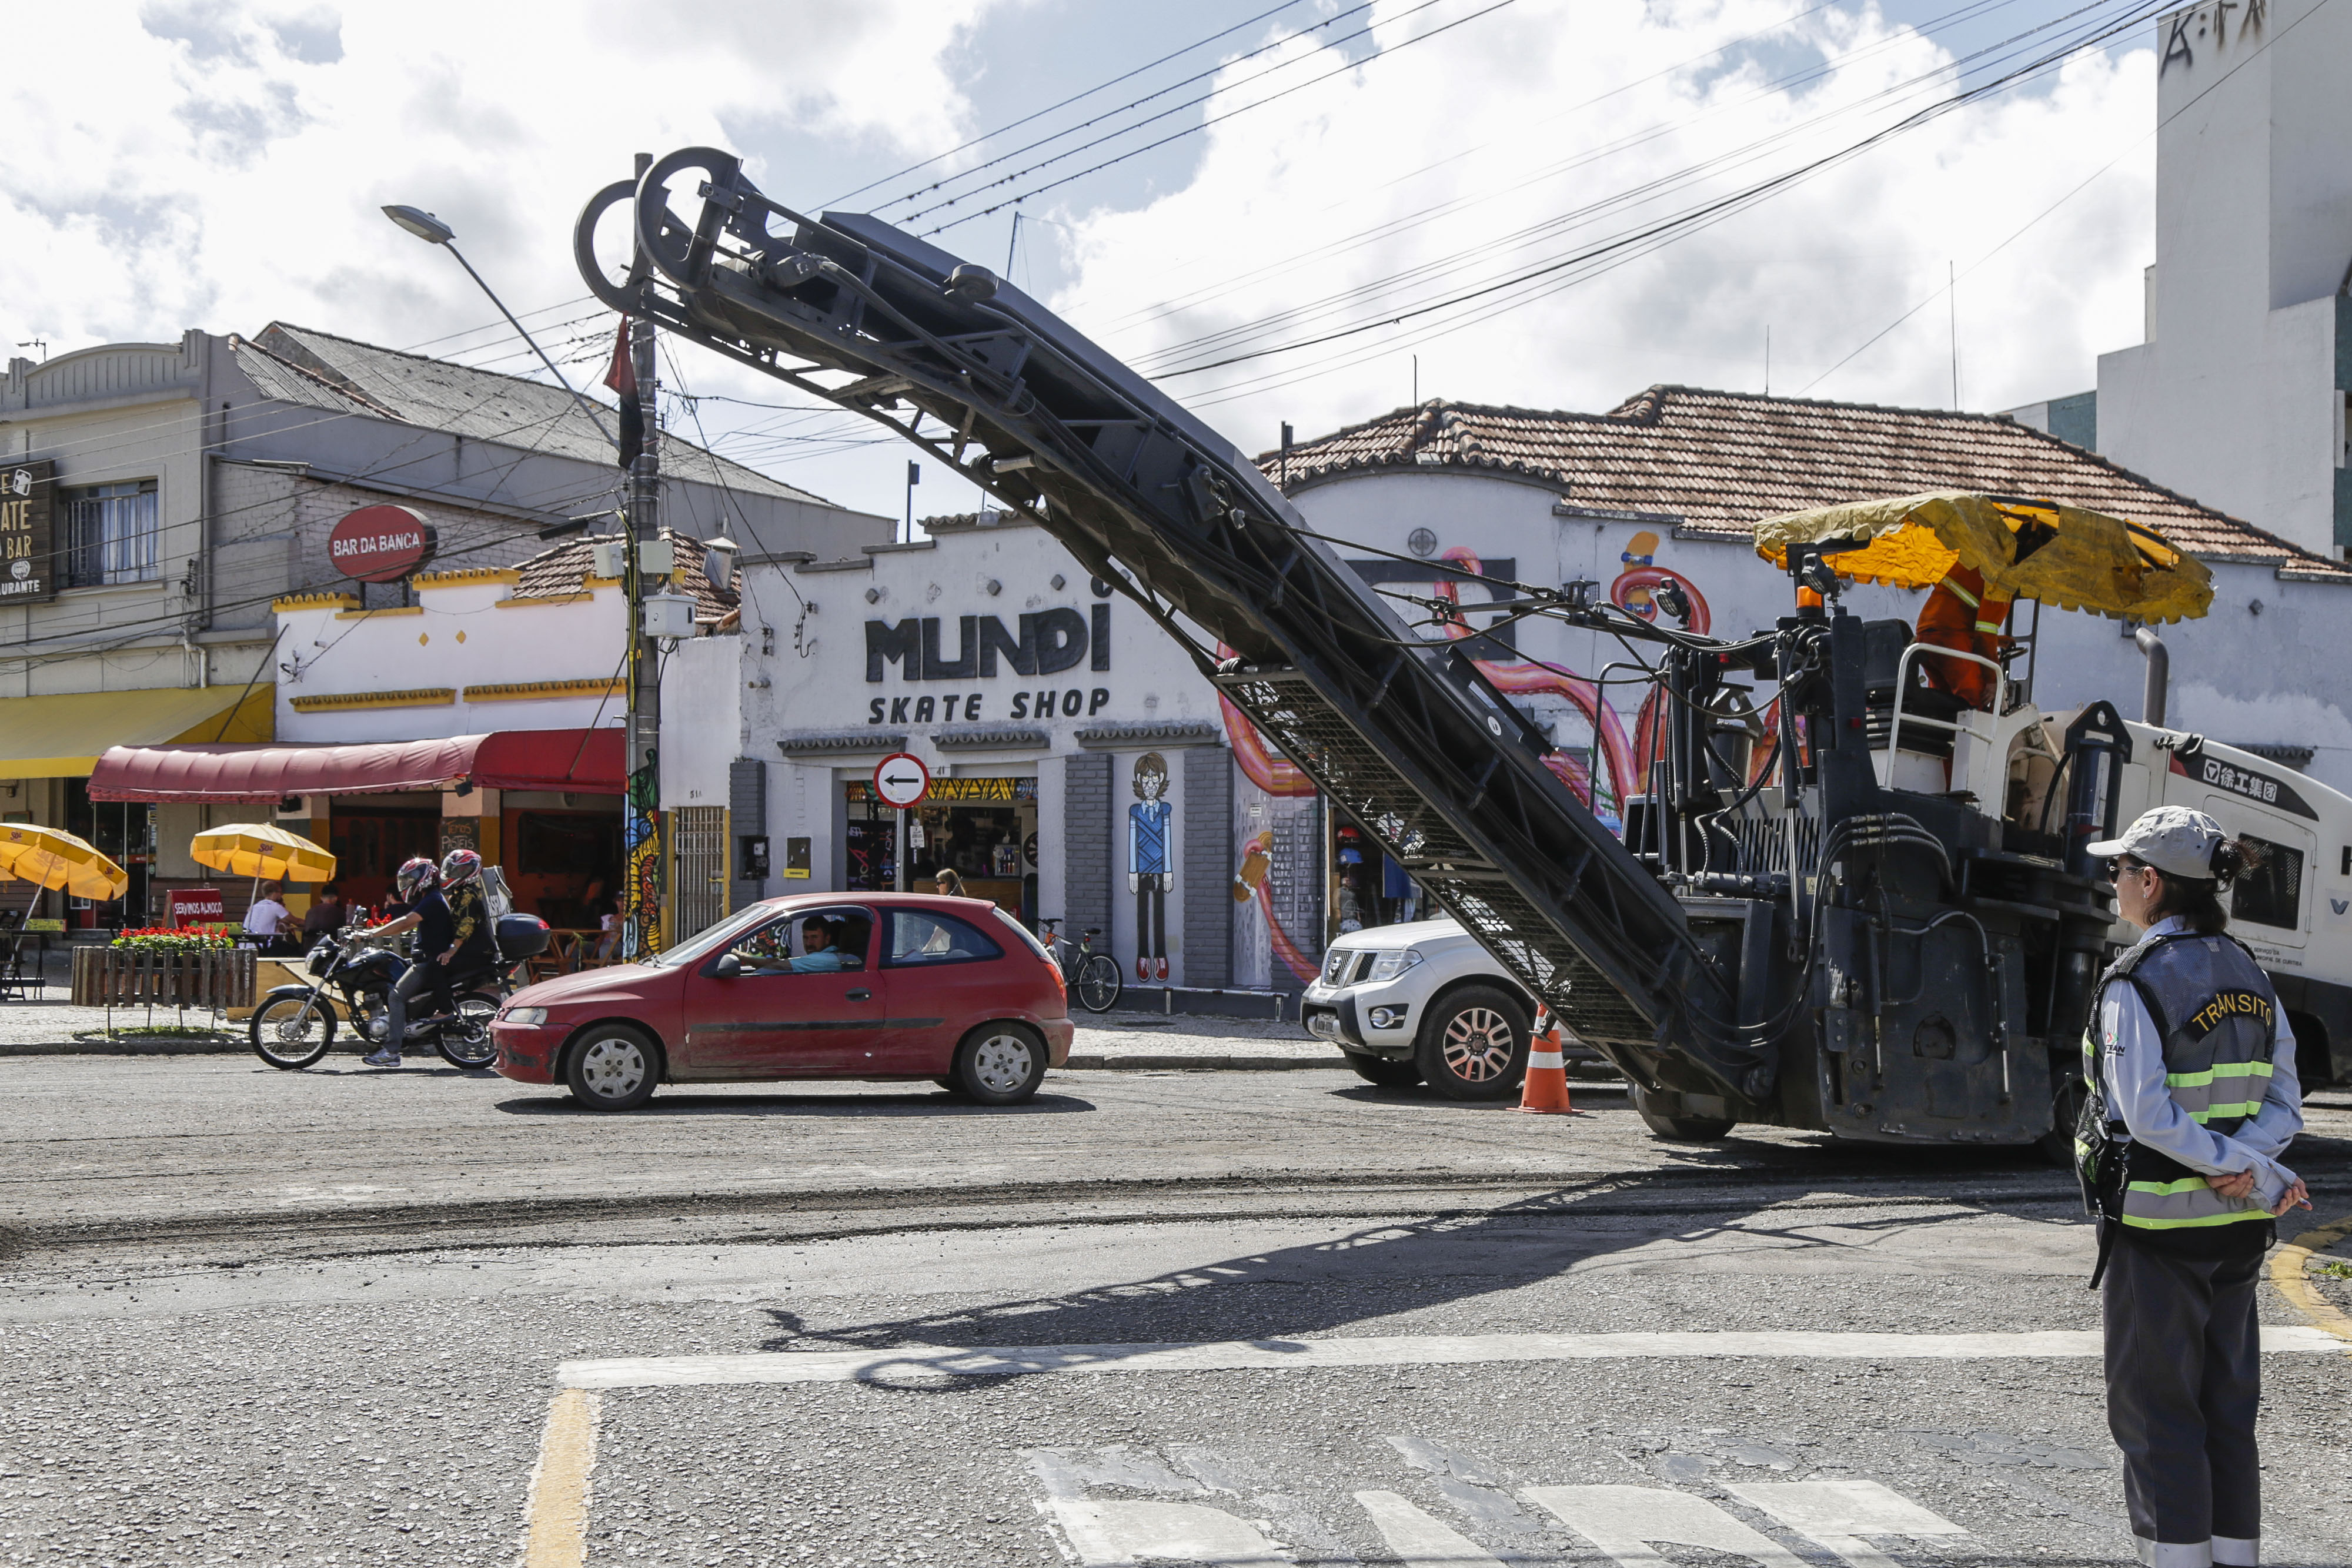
<point>1424,1003</point>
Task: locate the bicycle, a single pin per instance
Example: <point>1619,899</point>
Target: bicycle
<point>1093,978</point>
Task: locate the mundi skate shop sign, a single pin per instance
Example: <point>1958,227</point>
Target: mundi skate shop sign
<point>381,544</point>
<point>973,648</point>
<point>28,531</point>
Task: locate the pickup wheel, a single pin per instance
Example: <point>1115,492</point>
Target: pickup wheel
<point>1473,1045</point>
<point>1663,1115</point>
<point>1383,1071</point>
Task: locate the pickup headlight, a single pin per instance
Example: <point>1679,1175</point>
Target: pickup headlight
<point>523,1015</point>
<point>1389,966</point>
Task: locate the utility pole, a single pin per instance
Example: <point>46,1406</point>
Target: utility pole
<point>645,876</point>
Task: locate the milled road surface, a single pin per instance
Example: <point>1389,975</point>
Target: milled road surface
<point>324,1317</point>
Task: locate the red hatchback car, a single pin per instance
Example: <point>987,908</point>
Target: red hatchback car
<point>875,985</point>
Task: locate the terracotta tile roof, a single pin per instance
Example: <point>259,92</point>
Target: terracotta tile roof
<point>1721,461</point>
<point>564,569</point>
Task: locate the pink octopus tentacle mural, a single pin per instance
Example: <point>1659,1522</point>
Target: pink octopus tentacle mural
<point>1536,676</point>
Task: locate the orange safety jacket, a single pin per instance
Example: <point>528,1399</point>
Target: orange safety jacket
<point>1960,615</point>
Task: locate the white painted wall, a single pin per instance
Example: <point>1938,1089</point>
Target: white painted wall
<point>2234,398</point>
<point>465,634</point>
<point>2239,675</point>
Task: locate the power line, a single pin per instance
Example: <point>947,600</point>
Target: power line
<point>2021,231</point>
<point>1690,174</point>
<point>1390,228</point>
<point>1217,120</point>
<point>1074,97</point>
<point>1689,218</point>
<point>1137,103</point>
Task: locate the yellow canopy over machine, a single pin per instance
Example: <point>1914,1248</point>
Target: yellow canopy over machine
<point>262,849</point>
<point>2025,548</point>
<point>54,858</point>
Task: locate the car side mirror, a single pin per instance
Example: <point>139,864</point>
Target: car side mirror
<point>728,967</point>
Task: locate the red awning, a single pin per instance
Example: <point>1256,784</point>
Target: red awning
<point>584,761</point>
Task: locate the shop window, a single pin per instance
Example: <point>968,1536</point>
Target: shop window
<point>109,534</point>
<point>2271,893</point>
<point>920,937</point>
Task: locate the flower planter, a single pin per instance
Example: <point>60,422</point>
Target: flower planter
<point>120,976</point>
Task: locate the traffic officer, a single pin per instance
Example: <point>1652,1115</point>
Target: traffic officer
<point>2191,1066</point>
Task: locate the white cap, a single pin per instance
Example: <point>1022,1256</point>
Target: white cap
<point>2175,840</point>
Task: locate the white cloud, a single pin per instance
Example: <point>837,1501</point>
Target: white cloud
<point>220,166</point>
<point>1824,266</point>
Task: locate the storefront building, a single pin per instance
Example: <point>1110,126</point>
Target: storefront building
<point>163,505</point>
<point>1083,768</point>
<point>486,715</point>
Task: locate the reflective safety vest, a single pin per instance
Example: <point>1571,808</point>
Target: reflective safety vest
<point>2217,1017</point>
<point>1961,615</point>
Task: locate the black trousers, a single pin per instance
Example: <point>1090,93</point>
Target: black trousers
<point>1151,914</point>
<point>2184,1381</point>
<point>423,977</point>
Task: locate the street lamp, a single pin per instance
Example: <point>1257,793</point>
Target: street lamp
<point>433,231</point>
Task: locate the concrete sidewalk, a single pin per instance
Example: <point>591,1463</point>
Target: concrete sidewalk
<point>1110,1041</point>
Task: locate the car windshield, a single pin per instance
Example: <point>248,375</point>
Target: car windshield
<point>717,936</point>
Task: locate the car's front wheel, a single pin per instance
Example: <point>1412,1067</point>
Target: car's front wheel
<point>999,1063</point>
<point>613,1067</point>
<point>1474,1045</point>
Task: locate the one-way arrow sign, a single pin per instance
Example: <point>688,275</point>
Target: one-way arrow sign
<point>900,779</point>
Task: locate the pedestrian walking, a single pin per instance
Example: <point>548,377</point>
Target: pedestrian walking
<point>2190,1064</point>
<point>949,883</point>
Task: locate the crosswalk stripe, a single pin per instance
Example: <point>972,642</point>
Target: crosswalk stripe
<point>1402,1350</point>
<point>1418,1541</point>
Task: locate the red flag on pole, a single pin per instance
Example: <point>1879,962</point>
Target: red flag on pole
<point>622,377</point>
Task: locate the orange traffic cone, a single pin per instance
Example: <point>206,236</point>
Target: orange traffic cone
<point>1544,1090</point>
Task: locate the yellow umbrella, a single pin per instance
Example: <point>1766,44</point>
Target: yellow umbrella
<point>54,858</point>
<point>263,851</point>
<point>2025,548</point>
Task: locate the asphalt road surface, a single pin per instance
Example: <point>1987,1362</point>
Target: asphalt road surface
<point>1189,1318</point>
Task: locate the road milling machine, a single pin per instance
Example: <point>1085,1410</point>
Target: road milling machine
<point>1843,903</point>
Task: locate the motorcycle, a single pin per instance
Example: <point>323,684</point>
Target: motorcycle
<point>295,1025</point>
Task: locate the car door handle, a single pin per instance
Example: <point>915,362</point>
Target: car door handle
<point>861,996</point>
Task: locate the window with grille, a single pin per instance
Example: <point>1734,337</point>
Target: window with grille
<point>109,534</point>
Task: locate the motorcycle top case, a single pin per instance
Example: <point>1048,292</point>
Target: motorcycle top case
<point>522,935</point>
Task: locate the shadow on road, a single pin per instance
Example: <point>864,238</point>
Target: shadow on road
<point>920,1102</point>
<point>1327,1286</point>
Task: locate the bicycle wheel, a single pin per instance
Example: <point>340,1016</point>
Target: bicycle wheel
<point>1099,983</point>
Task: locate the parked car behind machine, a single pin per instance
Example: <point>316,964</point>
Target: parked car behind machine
<point>1424,1003</point>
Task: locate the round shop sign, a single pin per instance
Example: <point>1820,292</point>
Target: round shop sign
<point>900,779</point>
<point>381,544</point>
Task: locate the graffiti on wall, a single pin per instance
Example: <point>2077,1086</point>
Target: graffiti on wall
<point>641,926</point>
<point>1150,863</point>
<point>1596,756</point>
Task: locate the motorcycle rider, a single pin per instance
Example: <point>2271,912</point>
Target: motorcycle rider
<point>444,906</point>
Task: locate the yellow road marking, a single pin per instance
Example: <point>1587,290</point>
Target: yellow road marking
<point>2288,1272</point>
<point>557,1514</point>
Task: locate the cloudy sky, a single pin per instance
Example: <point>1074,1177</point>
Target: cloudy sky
<point>1348,201</point>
